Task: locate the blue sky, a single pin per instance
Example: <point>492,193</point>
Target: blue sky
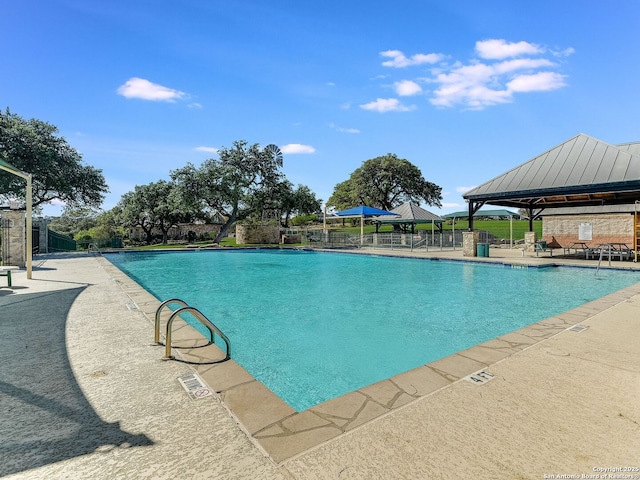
<point>464,90</point>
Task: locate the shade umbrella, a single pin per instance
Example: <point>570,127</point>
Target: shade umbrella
<point>363,212</point>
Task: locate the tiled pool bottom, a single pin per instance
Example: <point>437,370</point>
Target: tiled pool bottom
<point>283,433</point>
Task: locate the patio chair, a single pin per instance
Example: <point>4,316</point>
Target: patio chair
<point>542,247</point>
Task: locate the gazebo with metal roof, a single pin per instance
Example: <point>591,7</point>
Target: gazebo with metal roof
<point>408,215</point>
<point>582,171</point>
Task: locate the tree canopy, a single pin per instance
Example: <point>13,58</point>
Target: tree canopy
<point>57,169</point>
<point>155,205</point>
<point>385,182</point>
<point>245,183</point>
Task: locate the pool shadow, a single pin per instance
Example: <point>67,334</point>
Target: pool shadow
<point>45,417</point>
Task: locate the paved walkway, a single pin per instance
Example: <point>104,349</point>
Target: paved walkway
<point>83,395</point>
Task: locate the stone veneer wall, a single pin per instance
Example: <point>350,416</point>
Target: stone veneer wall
<point>257,234</point>
<point>530,239</point>
<point>14,246</point>
<point>607,228</point>
<point>470,243</point>
<point>180,232</point>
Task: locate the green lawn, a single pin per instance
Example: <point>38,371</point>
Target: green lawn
<point>499,228</point>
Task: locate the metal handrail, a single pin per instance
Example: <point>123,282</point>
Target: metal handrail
<point>93,246</point>
<point>156,335</point>
<point>419,243</point>
<point>205,321</point>
<point>600,259</point>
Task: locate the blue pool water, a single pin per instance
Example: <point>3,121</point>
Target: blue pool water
<point>312,326</point>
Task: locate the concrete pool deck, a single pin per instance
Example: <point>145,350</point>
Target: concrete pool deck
<point>81,399</point>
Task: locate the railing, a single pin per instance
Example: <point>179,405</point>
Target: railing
<point>166,303</point>
<point>210,326</point>
<point>386,240</point>
<point>60,243</point>
<point>102,243</point>
<point>93,248</point>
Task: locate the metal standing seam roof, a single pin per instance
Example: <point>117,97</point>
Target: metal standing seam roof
<point>633,147</point>
<point>482,213</point>
<point>594,210</point>
<point>580,171</point>
<point>410,213</point>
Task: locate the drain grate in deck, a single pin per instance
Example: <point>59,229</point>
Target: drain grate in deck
<point>132,306</point>
<point>578,328</point>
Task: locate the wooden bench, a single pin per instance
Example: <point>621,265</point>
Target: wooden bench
<point>5,271</point>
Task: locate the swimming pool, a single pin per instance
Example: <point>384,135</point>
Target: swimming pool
<point>312,326</point>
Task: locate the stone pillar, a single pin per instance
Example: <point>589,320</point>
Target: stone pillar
<point>257,234</point>
<point>14,245</point>
<point>44,236</point>
<point>530,239</point>
<point>470,243</point>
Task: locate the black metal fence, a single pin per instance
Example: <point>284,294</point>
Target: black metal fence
<point>100,243</point>
<point>60,243</point>
<point>422,239</point>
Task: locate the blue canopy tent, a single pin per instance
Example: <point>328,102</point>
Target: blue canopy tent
<point>363,212</point>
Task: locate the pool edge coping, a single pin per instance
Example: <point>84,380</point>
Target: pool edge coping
<point>283,433</point>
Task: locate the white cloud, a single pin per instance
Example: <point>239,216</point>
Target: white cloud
<point>387,105</point>
<point>537,82</point>
<point>297,148</point>
<point>521,64</point>
<point>498,70</point>
<point>342,129</point>
<point>406,88</point>
<point>207,149</point>
<point>481,84</point>
<point>195,105</point>
<point>563,53</point>
<point>144,89</point>
<point>399,60</point>
<point>496,49</point>
<point>464,189</point>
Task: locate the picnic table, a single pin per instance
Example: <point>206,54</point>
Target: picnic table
<point>579,248</point>
<point>611,251</point>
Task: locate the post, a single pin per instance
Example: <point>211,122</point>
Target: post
<point>29,232</point>
<point>324,221</point>
<point>29,241</point>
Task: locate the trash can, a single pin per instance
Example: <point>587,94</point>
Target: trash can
<point>483,249</point>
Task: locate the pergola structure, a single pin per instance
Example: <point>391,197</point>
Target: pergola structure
<point>27,176</point>
<point>408,215</point>
<point>582,171</point>
<point>485,213</point>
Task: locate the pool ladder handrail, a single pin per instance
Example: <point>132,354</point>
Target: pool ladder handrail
<point>93,247</point>
<point>208,324</point>
<point>600,259</point>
